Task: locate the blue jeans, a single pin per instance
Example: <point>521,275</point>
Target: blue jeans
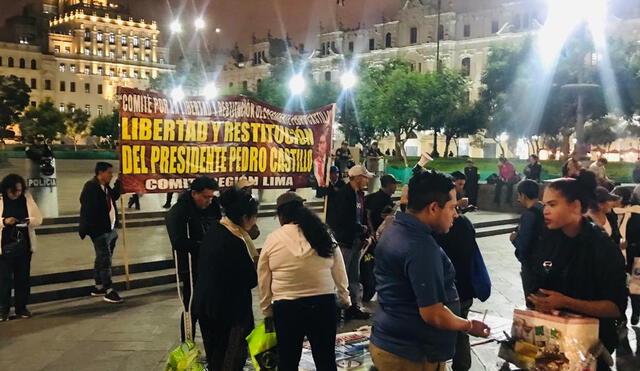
<point>351,255</point>
<point>104,246</point>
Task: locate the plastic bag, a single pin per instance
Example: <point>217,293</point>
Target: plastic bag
<point>262,347</point>
<point>186,357</point>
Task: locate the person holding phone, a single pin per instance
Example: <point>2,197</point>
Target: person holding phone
<point>19,215</point>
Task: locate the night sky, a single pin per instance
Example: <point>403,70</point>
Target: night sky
<point>238,19</point>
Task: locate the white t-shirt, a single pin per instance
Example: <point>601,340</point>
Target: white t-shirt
<point>112,210</point>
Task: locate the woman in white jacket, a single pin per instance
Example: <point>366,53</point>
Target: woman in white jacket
<point>19,215</point>
<point>299,271</point>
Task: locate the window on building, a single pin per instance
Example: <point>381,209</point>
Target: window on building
<point>62,67</point>
<point>162,61</point>
<point>34,64</point>
<point>124,56</point>
<point>87,88</point>
<point>441,32</point>
<point>33,103</point>
<point>99,110</point>
<point>351,46</point>
<point>87,51</point>
<point>327,76</point>
<point>466,66</point>
<point>47,84</point>
<point>333,47</point>
<point>72,87</point>
<point>0,61</point>
<point>495,27</point>
<point>100,52</point>
<point>112,72</point>
<point>147,58</point>
<point>73,68</point>
<point>63,86</point>
<point>413,35</point>
<point>412,67</point>
<point>372,44</point>
<point>123,74</point>
<point>135,57</point>
<point>136,74</point>
<point>245,85</point>
<point>112,38</point>
<point>231,85</point>
<point>61,107</point>
<point>136,41</point>
<point>112,54</point>
<point>71,107</point>
<point>87,109</point>
<point>147,43</point>
<point>67,50</point>
<point>87,35</point>
<point>123,40</point>
<point>34,84</point>
<point>23,63</point>
<point>10,62</point>
<point>99,88</point>
<point>467,30</point>
<point>87,70</point>
<point>324,49</point>
<point>387,40</point>
<point>56,49</point>
<point>99,36</point>
<point>419,67</point>
<point>100,71</point>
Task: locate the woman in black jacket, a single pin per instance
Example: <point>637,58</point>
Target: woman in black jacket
<point>227,273</point>
<point>576,266</point>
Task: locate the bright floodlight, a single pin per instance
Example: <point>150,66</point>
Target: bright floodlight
<point>218,30</point>
<point>210,91</point>
<point>176,27</point>
<point>199,24</point>
<point>348,80</point>
<point>296,84</point>
<point>177,94</point>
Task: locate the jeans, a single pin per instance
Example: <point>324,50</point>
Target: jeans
<point>351,257</point>
<point>313,317</point>
<point>15,273</point>
<point>462,358</point>
<point>225,344</point>
<point>499,186</point>
<point>104,246</point>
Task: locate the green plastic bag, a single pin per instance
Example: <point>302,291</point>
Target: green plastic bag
<point>262,347</point>
<point>186,357</point>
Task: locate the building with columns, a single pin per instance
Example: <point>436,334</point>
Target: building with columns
<point>77,52</point>
<point>468,29</point>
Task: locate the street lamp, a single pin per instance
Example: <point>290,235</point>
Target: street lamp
<point>176,27</point>
<point>297,84</point>
<point>210,91</point>
<point>177,94</point>
<point>199,24</point>
<point>218,30</point>
<point>348,80</point>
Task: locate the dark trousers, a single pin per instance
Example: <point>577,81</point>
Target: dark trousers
<point>471,191</point>
<point>104,246</point>
<point>134,201</point>
<point>313,317</point>
<point>15,273</point>
<point>462,358</point>
<point>225,343</point>
<point>497,197</point>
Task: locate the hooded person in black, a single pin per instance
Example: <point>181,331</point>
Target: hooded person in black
<point>187,223</point>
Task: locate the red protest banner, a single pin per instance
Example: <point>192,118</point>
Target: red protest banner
<point>165,144</point>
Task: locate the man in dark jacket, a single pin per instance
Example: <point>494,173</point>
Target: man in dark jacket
<point>472,175</point>
<point>99,220</point>
<point>349,227</point>
<point>460,244</point>
<point>533,170</point>
<point>187,223</point>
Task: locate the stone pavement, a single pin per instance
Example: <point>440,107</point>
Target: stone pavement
<point>87,334</point>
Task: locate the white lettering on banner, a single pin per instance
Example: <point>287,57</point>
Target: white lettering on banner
<point>41,182</point>
<point>167,184</point>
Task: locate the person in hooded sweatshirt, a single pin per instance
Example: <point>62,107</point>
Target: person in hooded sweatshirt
<point>299,271</point>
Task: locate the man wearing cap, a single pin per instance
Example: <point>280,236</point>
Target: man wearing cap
<point>376,202</point>
<point>187,223</point>
<point>471,186</point>
<point>349,228</point>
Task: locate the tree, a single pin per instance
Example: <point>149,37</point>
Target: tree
<point>468,119</point>
<point>44,119</point>
<point>106,127</point>
<point>14,97</point>
<point>389,97</point>
<point>603,131</point>
<point>77,123</point>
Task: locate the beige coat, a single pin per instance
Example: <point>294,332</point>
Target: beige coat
<point>35,219</point>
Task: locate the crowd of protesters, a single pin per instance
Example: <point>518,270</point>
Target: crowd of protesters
<point>308,271</point>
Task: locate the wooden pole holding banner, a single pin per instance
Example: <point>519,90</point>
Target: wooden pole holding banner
<point>125,252</point>
<point>327,165</point>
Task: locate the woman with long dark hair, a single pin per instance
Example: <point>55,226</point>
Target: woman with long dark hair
<point>299,271</point>
<point>226,275</point>
<point>19,215</point>
<point>575,265</point>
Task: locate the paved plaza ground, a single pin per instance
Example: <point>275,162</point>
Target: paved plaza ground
<point>87,334</point>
